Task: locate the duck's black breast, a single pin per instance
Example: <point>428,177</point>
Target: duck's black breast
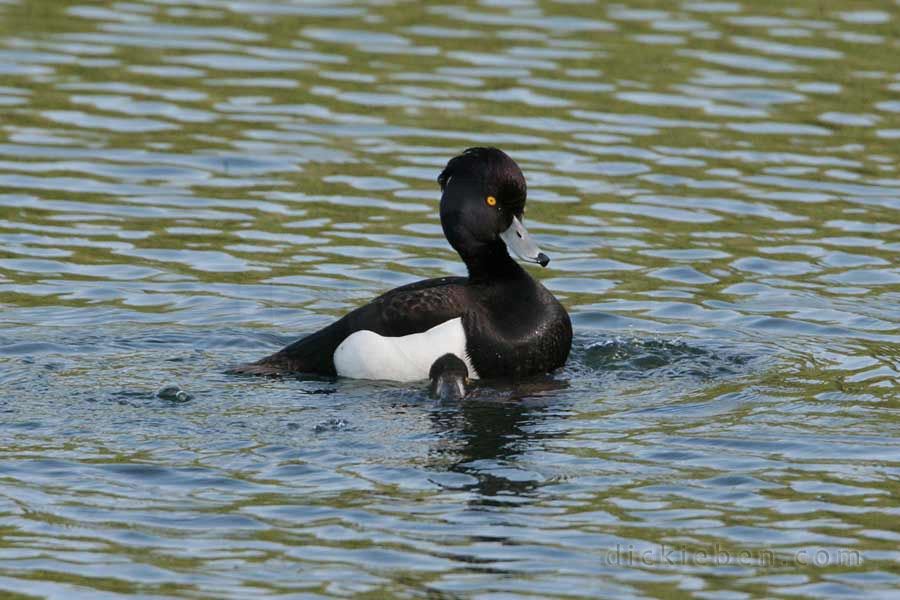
<point>515,328</point>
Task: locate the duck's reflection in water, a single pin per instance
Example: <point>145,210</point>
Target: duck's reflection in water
<point>484,435</point>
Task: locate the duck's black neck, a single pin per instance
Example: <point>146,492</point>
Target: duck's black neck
<point>492,262</point>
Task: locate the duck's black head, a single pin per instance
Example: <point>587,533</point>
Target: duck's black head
<point>449,376</point>
<point>482,208</point>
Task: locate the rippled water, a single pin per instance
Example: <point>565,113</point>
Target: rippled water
<point>185,186</point>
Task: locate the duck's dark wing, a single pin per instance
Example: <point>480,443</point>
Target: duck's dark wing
<point>412,308</point>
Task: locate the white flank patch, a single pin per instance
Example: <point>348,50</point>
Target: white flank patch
<point>367,355</point>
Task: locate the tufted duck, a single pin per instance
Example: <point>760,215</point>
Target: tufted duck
<point>499,321</point>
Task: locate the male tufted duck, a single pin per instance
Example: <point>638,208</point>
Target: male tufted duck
<point>499,321</point>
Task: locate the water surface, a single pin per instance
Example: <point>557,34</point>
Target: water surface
<point>185,186</point>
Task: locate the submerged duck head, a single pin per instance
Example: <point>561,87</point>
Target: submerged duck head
<point>449,376</point>
<point>482,208</point>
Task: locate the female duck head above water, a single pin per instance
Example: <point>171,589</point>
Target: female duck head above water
<point>498,320</point>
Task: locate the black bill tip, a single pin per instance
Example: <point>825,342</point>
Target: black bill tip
<point>543,259</point>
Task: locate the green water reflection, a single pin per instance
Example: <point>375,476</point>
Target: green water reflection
<point>188,185</point>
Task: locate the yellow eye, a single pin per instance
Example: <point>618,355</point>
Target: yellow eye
<point>491,201</point>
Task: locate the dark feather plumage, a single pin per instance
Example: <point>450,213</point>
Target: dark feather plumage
<point>501,177</point>
<point>513,325</point>
<point>404,310</point>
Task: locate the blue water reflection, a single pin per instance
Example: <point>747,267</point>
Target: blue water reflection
<point>187,186</point>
